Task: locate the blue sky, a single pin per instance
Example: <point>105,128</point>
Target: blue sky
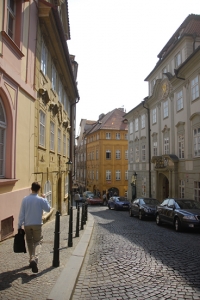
<point>116,44</point>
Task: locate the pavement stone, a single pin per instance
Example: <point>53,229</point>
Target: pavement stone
<point>17,282</point>
<point>132,259</point>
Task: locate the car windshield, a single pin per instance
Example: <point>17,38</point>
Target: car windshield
<point>150,201</point>
<point>188,204</point>
<point>121,199</point>
<point>90,195</point>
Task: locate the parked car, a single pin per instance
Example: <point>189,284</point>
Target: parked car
<point>92,199</point>
<point>118,203</point>
<point>181,213</point>
<point>143,207</point>
<point>86,194</point>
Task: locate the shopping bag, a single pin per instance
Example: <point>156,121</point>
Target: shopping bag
<point>19,242</point>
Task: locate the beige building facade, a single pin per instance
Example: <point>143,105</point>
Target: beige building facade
<point>164,129</point>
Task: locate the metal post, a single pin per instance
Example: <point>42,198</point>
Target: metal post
<point>82,216</point>
<point>56,261</point>
<point>77,221</point>
<point>86,209</point>
<point>70,242</point>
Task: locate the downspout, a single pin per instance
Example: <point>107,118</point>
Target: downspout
<point>149,140</point>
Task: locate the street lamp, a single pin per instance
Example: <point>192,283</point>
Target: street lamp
<point>133,185</point>
<point>69,169</point>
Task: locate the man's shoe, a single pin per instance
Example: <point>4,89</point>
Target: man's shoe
<point>34,267</point>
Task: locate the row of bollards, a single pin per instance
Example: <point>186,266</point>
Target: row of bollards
<point>84,216</point>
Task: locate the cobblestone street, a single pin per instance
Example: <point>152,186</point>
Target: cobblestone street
<point>17,282</point>
<point>132,259</point>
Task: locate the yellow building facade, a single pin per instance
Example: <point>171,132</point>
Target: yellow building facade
<point>107,155</point>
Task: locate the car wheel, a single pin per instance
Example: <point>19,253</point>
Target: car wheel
<point>140,215</point>
<point>158,222</point>
<point>177,224</point>
<point>109,207</point>
<point>130,213</point>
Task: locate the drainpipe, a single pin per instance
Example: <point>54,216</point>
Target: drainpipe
<point>149,138</point>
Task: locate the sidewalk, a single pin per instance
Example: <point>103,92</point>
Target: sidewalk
<point>17,282</point>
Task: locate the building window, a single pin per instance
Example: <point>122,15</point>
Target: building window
<point>92,175</point>
<point>65,101</point>
<point>66,185</point>
<point>137,154</point>
<point>42,129</point>
<point>143,121</point>
<point>117,136</point>
<point>48,192</point>
<point>136,124</point>
<point>126,175</point>
<point>11,6</point>
<point>59,141</point>
<point>196,139</point>
<point>195,88</point>
<point>53,77</point>
<point>108,136</point>
<point>181,146</point>
<point>52,136</point>
<point>166,145</point>
<point>154,116</point>
<point>97,154</point>
<point>165,109</point>
<point>118,175</point>
<point>197,190</point>
<point>118,154</point>
<point>131,155</point>
<point>153,82</point>
<point>144,187</point>
<point>108,175</point>
<point>108,154</point>
<point>177,60</point>
<point>97,175</point>
<point>126,154</point>
<point>143,153</point>
<point>44,59</point>
<point>60,91</point>
<point>131,127</point>
<point>2,140</point>
<point>64,145</point>
<point>126,136</point>
<point>179,100</point>
<point>155,148</point>
<point>181,189</point>
<point>164,70</point>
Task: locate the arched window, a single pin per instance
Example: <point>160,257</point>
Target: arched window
<point>48,192</point>
<point>2,139</point>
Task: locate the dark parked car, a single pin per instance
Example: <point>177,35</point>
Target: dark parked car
<point>143,207</point>
<point>181,213</point>
<point>118,203</point>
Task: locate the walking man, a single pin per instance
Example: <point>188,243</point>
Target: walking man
<point>30,216</point>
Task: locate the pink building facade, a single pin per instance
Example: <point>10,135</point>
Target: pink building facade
<point>18,28</point>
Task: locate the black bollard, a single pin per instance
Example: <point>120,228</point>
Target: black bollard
<point>56,261</point>
<point>86,211</point>
<point>70,241</point>
<point>82,216</point>
<point>77,221</point>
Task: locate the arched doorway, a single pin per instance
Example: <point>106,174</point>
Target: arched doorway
<point>113,190</point>
<point>163,187</point>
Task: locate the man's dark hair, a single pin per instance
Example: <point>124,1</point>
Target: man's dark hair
<point>35,187</point>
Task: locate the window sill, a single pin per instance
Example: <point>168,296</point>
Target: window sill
<point>41,147</point>
<point>6,181</point>
<point>12,44</point>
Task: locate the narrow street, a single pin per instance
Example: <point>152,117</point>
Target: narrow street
<point>132,259</point>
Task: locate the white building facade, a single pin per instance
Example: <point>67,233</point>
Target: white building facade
<point>164,129</point>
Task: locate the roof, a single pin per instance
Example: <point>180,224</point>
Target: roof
<point>189,27</point>
<point>113,120</point>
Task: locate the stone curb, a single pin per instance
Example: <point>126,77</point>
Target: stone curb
<point>64,286</point>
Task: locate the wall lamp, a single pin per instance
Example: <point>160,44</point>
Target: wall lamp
<point>69,165</point>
